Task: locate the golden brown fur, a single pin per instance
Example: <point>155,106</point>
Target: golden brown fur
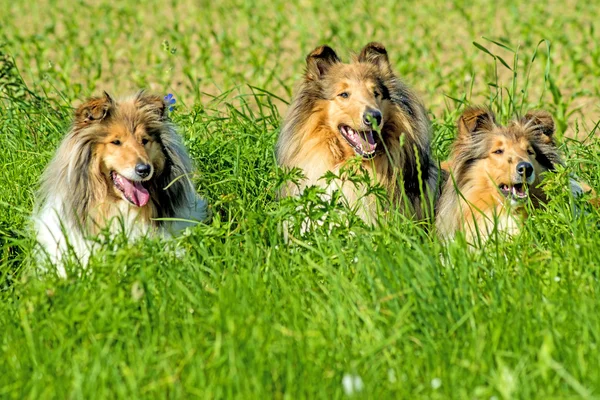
<point>335,97</point>
<point>121,160</point>
<point>493,170</point>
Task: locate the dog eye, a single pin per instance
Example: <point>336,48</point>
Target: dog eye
<point>144,141</point>
<point>344,95</point>
<point>116,142</point>
<point>530,152</point>
<point>499,151</point>
<point>377,94</point>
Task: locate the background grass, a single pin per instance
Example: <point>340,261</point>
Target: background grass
<point>242,314</point>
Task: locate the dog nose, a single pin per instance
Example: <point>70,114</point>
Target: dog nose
<point>372,115</point>
<point>525,169</point>
<point>143,170</point>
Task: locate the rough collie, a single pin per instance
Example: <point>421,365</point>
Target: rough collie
<point>493,170</point>
<point>341,111</point>
<point>121,167</point>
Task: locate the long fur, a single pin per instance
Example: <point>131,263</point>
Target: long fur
<point>310,140</point>
<point>471,200</point>
<point>75,200</point>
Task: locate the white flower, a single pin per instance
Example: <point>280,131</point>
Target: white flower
<point>436,383</point>
<point>557,279</point>
<point>352,384</point>
<point>137,291</point>
<point>392,376</point>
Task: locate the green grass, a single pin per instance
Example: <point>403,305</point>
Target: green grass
<point>243,314</point>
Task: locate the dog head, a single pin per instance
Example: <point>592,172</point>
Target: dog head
<point>356,96</point>
<point>508,160</point>
<point>127,142</point>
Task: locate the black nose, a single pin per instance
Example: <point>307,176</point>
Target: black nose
<point>143,170</point>
<point>372,115</point>
<point>525,169</point>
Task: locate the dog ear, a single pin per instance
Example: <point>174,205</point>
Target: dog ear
<point>95,109</point>
<point>474,120</point>
<point>152,103</point>
<point>542,121</point>
<point>375,53</point>
<point>319,61</point>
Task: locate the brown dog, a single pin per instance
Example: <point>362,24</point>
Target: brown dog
<point>123,167</point>
<point>342,111</point>
<point>493,170</point>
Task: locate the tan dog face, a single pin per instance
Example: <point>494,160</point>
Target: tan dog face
<point>356,98</point>
<point>511,166</point>
<point>509,160</point>
<point>128,148</point>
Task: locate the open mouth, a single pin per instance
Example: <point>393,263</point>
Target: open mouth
<point>362,142</point>
<point>517,191</point>
<point>133,191</point>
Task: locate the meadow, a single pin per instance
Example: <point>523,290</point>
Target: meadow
<point>389,310</point>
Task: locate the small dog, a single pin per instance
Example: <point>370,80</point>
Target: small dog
<point>493,170</point>
<point>359,109</point>
<point>123,167</point>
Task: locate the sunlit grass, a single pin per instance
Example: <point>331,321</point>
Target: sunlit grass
<point>243,313</point>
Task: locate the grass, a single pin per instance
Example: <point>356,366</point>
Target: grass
<point>243,314</point>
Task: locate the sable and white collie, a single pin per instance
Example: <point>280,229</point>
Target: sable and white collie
<point>493,170</point>
<point>362,109</point>
<point>123,167</point>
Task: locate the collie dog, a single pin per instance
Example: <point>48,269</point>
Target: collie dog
<point>121,167</point>
<point>493,171</point>
<point>342,111</point>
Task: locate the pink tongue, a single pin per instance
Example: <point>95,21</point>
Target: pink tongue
<point>135,191</point>
<point>370,142</point>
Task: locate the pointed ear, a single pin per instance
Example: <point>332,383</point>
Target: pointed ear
<point>94,110</point>
<point>541,121</point>
<point>475,119</point>
<point>375,53</point>
<point>152,103</point>
<point>319,61</point>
